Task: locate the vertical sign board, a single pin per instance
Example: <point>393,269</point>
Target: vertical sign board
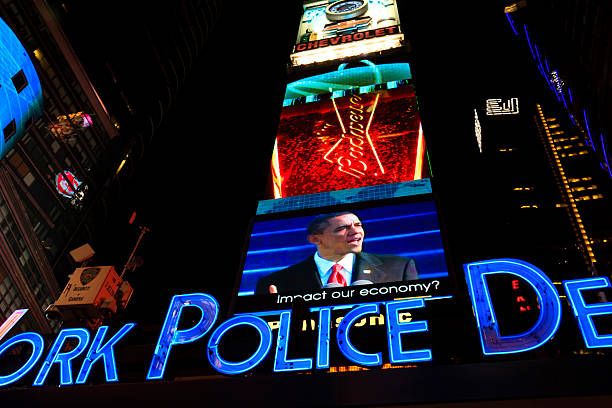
<point>350,142</point>
<point>349,128</point>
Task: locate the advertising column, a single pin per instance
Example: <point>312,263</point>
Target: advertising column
<point>350,218</point>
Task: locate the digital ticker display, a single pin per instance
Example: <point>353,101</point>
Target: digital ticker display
<point>364,131</point>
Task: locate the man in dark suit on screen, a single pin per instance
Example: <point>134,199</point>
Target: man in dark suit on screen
<point>339,260</point>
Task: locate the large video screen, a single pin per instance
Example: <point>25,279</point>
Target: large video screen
<point>348,142</point>
<point>387,248</point>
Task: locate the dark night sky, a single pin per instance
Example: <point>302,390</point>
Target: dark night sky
<point>207,167</point>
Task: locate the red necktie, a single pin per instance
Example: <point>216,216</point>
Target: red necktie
<point>336,276</point>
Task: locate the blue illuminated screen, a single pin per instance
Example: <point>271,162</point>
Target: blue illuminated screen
<point>407,230</point>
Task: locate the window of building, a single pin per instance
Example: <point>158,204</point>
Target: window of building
<point>21,168</point>
<point>20,81</point>
<point>9,130</point>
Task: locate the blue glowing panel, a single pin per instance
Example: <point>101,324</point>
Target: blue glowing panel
<point>346,196</point>
<point>20,91</point>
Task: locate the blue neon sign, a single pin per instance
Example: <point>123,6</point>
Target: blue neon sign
<point>548,298</point>
<point>280,360</point>
<point>584,313</point>
<point>476,273</point>
<point>395,329</point>
<point>170,334</point>
<point>38,346</point>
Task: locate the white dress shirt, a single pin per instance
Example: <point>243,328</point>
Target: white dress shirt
<point>324,266</point>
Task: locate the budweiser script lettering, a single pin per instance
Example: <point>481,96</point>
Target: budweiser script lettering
<point>354,150</point>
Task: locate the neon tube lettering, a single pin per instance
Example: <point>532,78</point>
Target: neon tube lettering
<point>395,328</point>
<point>584,313</point>
<point>170,335</point>
<point>280,360</point>
<point>344,343</point>
<point>265,342</point>
<point>32,338</point>
<point>550,306</point>
<point>64,359</point>
<point>105,352</point>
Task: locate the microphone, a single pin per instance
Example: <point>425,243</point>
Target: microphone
<point>362,282</point>
<point>359,282</point>
<point>332,285</point>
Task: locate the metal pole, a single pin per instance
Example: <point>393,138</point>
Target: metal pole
<point>142,232</point>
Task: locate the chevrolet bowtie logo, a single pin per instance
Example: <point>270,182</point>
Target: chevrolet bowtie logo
<point>344,25</point>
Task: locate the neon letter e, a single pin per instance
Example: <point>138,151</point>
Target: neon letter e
<point>548,298</point>
<point>170,335</point>
<point>584,312</point>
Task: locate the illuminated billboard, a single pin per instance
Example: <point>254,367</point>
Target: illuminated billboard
<point>340,29</point>
<point>348,142</point>
<point>391,249</point>
<point>362,77</point>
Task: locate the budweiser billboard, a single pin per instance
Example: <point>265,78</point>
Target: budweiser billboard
<point>352,141</point>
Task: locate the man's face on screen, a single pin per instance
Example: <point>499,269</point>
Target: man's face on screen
<point>344,234</point>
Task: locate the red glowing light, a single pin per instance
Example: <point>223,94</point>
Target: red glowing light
<point>348,142</point>
<point>66,183</point>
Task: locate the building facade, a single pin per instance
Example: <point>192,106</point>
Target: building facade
<point>61,181</point>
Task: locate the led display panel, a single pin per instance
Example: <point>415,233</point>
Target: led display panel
<point>348,142</point>
<point>340,29</point>
<point>355,126</point>
<point>358,77</point>
<point>394,246</point>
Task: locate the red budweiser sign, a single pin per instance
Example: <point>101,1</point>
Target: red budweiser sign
<point>348,142</point>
